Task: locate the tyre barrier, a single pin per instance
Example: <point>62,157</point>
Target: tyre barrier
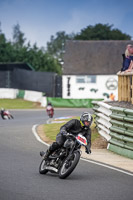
<point>115,124</point>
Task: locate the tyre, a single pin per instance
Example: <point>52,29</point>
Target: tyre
<point>68,166</point>
<point>5,117</point>
<point>42,167</point>
<point>12,117</point>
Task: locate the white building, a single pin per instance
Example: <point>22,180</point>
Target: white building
<point>89,86</point>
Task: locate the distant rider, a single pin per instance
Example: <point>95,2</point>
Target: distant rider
<point>2,112</point>
<point>50,110</point>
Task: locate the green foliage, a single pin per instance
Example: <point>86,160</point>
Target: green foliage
<point>18,37</point>
<point>101,32</point>
<point>18,51</point>
<point>56,45</point>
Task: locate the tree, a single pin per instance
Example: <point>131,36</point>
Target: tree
<point>18,37</point>
<point>101,32</point>
<point>18,51</point>
<point>56,45</point>
<point>6,49</point>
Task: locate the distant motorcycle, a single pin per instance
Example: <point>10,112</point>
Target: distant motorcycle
<point>64,160</point>
<point>50,111</point>
<point>5,114</point>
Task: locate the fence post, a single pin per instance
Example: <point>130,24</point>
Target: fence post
<point>128,89</point>
<point>125,87</point>
<point>132,90</point>
<point>119,88</point>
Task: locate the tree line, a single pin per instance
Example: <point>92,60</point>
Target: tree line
<point>50,59</point>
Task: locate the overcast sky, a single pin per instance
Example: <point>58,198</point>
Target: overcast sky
<point>39,19</point>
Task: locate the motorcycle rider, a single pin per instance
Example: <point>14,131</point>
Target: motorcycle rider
<point>74,127</point>
<point>50,110</point>
<point>2,112</point>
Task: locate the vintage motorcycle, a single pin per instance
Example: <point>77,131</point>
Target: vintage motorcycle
<point>64,160</point>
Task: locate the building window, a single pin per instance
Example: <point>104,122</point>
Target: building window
<point>80,79</point>
<point>86,79</point>
<point>91,79</point>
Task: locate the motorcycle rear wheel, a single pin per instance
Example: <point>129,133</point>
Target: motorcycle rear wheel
<point>42,166</point>
<point>68,167</point>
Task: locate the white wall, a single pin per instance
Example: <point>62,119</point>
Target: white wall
<point>102,81</point>
<point>8,93</point>
<point>34,96</point>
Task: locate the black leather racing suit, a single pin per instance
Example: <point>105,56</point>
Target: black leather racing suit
<point>2,113</point>
<point>74,127</point>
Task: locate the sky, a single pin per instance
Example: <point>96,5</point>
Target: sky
<point>40,19</point>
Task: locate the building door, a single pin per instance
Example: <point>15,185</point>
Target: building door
<point>58,86</point>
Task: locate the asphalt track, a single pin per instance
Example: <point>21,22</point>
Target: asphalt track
<point>19,162</point>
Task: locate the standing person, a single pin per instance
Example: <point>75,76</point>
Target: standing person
<point>112,97</point>
<point>74,127</point>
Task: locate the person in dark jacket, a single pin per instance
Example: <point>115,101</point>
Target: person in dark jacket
<point>74,127</point>
<point>127,58</point>
<point>2,112</point>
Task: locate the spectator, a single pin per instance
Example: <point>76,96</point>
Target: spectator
<point>128,51</point>
<point>112,97</point>
<point>127,58</point>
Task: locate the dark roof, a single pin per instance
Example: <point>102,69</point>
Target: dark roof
<point>11,66</point>
<point>93,57</point>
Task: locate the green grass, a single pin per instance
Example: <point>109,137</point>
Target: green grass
<point>18,104</point>
<point>51,130</point>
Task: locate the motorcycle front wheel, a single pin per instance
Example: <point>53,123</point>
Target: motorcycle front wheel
<point>42,167</point>
<point>68,166</point>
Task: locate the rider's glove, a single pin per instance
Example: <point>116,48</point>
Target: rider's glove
<point>63,132</point>
<point>88,151</point>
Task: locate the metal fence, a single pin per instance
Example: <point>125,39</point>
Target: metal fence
<point>48,82</point>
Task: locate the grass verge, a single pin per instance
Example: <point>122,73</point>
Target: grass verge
<point>18,104</point>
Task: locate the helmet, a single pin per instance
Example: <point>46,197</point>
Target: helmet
<point>49,104</point>
<point>86,117</point>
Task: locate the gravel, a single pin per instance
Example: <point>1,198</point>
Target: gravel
<point>122,104</point>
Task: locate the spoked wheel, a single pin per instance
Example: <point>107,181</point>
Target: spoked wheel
<point>42,167</point>
<point>69,166</point>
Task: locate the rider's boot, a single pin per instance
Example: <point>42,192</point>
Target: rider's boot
<point>47,154</point>
<point>49,151</point>
<point>42,153</point>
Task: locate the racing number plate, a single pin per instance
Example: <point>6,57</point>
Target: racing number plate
<point>81,139</point>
